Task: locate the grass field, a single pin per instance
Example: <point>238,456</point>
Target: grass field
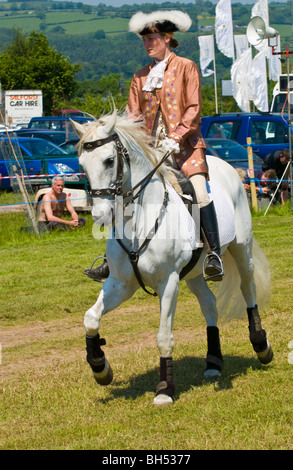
<point>78,22</point>
<point>49,399</point>
<point>73,22</point>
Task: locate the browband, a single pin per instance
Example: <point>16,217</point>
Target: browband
<point>98,143</point>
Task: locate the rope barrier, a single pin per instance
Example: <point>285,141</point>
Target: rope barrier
<point>42,176</point>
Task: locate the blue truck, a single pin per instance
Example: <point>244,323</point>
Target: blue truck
<point>268,132</point>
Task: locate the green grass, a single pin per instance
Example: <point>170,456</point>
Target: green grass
<point>49,398</point>
<point>73,22</point>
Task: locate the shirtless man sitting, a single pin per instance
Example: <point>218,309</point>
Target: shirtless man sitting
<point>53,205</point>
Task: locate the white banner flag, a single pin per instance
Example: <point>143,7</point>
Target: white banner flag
<point>241,44</point>
<point>261,9</point>
<point>259,80</point>
<point>224,28</point>
<point>240,78</point>
<point>275,66</point>
<point>207,54</point>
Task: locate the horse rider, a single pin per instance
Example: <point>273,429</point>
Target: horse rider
<point>167,95</point>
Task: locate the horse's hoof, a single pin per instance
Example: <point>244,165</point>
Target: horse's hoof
<point>212,375</point>
<point>104,377</point>
<point>162,401</point>
<point>266,356</point>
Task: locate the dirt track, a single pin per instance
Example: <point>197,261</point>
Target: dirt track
<point>11,208</point>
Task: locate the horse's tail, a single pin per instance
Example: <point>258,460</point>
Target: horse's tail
<point>230,301</point>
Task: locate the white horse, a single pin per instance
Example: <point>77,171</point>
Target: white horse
<point>153,248</point>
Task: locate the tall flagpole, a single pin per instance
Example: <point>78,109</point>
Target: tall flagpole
<point>215,78</point>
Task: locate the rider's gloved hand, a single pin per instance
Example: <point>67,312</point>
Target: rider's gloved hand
<point>170,145</point>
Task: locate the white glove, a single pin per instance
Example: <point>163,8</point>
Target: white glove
<point>170,145</point>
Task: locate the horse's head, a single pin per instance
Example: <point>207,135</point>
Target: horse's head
<point>102,161</point>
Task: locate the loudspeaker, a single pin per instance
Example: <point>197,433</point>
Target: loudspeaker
<point>257,31</point>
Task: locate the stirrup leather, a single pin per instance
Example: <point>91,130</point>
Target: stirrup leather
<point>218,275</point>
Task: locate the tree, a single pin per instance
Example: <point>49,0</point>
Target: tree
<point>29,62</point>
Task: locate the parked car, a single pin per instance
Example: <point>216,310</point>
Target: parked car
<point>70,113</point>
<point>232,152</point>
<point>42,157</point>
<point>58,137</point>
<point>269,132</point>
<point>56,123</point>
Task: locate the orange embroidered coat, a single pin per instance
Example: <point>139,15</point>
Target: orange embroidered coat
<point>179,100</point>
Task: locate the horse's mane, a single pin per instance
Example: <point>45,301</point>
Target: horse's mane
<point>133,135</point>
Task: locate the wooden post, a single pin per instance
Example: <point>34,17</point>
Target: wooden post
<point>251,174</point>
<point>26,200</point>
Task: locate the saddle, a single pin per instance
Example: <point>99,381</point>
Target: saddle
<point>188,198</point>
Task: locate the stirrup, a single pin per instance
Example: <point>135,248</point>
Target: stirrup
<point>213,277</point>
<point>101,279</point>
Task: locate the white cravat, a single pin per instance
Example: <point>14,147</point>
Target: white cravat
<point>155,77</point>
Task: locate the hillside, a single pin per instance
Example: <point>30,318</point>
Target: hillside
<point>96,36</point>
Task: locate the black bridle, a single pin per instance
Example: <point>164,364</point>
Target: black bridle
<point>116,190</point>
<point>121,153</point>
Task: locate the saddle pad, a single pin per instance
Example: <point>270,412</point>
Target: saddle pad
<point>224,211</point>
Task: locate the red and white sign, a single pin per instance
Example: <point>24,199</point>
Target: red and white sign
<point>22,105</point>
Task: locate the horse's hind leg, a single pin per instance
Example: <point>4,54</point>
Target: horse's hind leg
<point>258,336</point>
<point>243,257</point>
<point>111,296</point>
<point>207,301</point>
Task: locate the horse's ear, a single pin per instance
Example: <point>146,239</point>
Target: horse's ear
<point>79,128</point>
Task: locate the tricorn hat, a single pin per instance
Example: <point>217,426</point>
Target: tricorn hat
<point>159,22</point>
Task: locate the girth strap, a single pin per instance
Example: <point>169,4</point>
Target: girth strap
<point>134,255</point>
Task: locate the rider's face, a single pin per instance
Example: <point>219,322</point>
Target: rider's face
<point>157,46</point>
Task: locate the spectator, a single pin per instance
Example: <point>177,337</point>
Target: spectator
<point>265,183</point>
<point>53,206</point>
<point>278,161</point>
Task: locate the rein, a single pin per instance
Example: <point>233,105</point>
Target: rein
<point>117,191</point>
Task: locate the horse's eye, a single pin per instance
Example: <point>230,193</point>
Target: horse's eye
<point>109,162</point>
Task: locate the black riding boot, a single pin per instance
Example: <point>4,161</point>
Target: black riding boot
<point>209,224</point>
<point>97,274</point>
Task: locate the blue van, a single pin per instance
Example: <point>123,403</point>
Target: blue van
<point>268,132</point>
<point>57,123</point>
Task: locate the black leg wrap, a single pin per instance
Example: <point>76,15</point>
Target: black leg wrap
<point>95,356</point>
<point>166,385</point>
<point>257,335</point>
<point>214,356</point>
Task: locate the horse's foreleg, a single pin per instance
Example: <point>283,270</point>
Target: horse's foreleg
<point>111,296</point>
<point>165,341</point>
<point>207,301</point>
